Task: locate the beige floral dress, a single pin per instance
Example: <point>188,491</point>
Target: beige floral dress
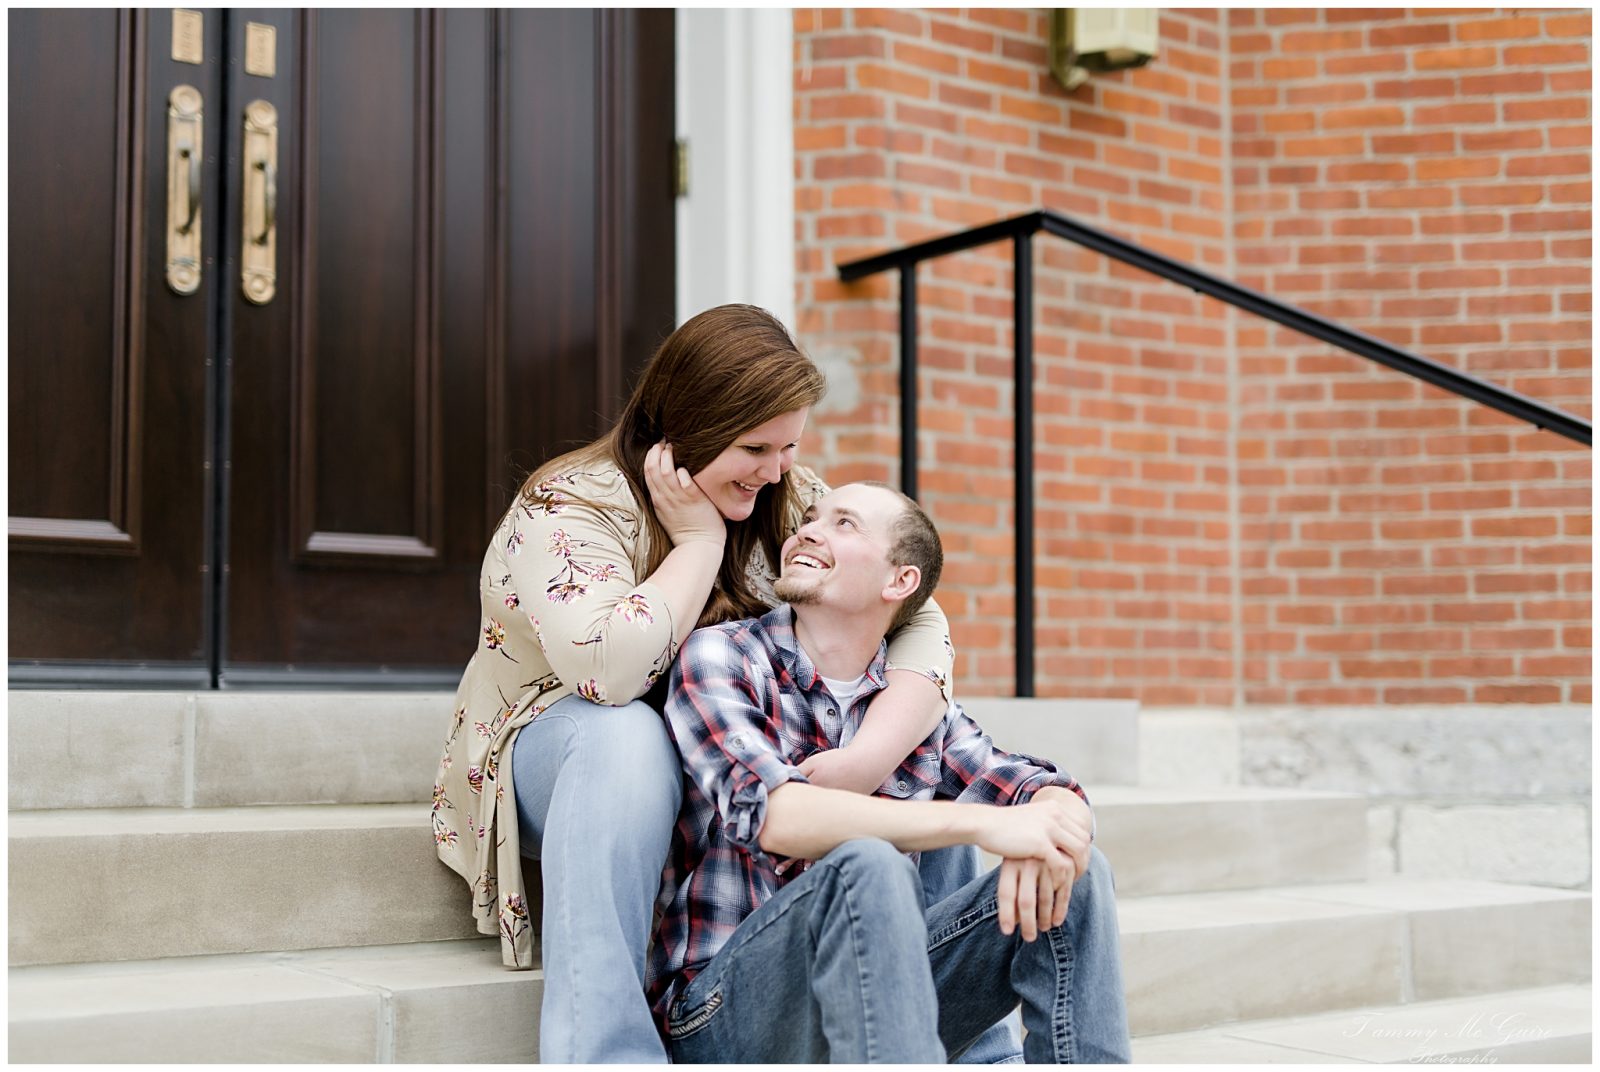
<point>565,612</point>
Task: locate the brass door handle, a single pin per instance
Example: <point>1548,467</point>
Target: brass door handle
<point>192,161</point>
<point>269,201</point>
<point>259,220</point>
<point>185,160</point>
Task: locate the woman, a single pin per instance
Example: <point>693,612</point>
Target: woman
<point>607,559</point>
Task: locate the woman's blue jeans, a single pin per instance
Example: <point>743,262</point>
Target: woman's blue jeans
<point>598,790</point>
<point>846,964</point>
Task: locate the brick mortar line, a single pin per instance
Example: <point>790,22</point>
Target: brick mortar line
<point>999,59</point>
<point>990,115</point>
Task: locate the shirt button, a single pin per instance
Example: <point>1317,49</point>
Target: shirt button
<point>832,713</point>
<point>901,783</point>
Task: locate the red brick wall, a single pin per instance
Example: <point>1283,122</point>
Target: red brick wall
<point>1424,176</point>
<point>1225,511</point>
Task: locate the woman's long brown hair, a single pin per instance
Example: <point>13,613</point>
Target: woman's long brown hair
<point>722,373</point>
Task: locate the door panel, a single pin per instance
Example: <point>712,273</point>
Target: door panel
<point>471,241</point>
<point>336,492</point>
<point>75,302</point>
<point>552,325</point>
<point>643,131</point>
<point>368,443</point>
<point>450,301</point>
<point>108,368</point>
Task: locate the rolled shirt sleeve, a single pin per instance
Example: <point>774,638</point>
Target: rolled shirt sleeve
<point>976,772</point>
<point>715,715</point>
<point>605,633</point>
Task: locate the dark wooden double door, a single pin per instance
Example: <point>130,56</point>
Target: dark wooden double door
<point>467,220</point>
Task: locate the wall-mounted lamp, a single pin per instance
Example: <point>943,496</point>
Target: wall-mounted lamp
<point>1084,40</point>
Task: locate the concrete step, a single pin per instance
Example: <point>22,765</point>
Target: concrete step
<point>1096,741</point>
<point>140,883</point>
<point>402,1003</point>
<point>399,1003</point>
<point>1549,1025</point>
<point>1193,840</point>
<point>1199,960</point>
<point>168,881</point>
<point>85,749</point>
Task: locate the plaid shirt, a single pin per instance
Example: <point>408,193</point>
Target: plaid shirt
<point>745,707</point>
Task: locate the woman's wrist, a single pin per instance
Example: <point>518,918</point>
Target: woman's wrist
<point>717,539</point>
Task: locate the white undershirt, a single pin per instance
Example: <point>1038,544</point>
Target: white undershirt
<point>845,692</point>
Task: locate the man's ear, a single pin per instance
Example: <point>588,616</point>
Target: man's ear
<point>906,580</point>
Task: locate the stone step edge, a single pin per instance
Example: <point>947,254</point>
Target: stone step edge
<point>314,965</point>
<point>99,750</point>
<point>330,906</point>
<point>252,817</point>
<point>1464,1014</point>
<point>1322,901</point>
<point>246,818</point>
<point>317,971</point>
<point>374,1004</point>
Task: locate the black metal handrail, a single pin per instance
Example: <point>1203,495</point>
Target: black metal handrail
<point>1020,230</point>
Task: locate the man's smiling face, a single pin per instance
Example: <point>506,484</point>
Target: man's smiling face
<point>840,555</point>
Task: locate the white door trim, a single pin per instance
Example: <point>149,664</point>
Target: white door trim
<point>735,94</point>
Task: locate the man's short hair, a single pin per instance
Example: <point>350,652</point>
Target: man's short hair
<point>914,542</point>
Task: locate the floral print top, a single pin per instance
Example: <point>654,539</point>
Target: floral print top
<point>564,613</point>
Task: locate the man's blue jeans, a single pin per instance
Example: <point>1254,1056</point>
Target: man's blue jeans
<point>844,964</point>
<point>944,871</point>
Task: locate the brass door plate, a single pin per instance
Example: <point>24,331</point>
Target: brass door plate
<point>185,149</point>
<point>188,36</point>
<point>260,50</point>
<point>259,254</point>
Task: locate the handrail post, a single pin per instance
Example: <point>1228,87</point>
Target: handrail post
<point>908,378</point>
<point>1022,461</point>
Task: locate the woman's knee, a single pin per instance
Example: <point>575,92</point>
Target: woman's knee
<point>628,750</point>
<point>635,732</point>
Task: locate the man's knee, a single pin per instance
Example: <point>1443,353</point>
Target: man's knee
<point>1094,894</point>
<point>1100,870</point>
<point>869,852</point>
<point>874,862</point>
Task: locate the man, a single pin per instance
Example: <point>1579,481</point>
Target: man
<point>762,957</point>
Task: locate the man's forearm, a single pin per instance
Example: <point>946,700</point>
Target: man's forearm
<point>809,821</point>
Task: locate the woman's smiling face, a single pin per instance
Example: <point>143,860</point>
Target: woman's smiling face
<point>753,460</point>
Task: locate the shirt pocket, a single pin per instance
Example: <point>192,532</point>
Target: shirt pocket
<point>916,778</point>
